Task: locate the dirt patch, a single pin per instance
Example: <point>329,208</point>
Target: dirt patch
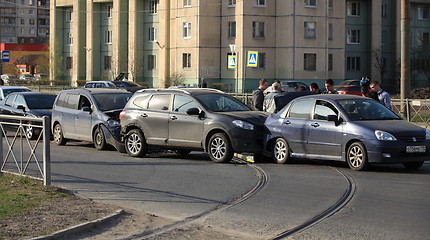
<point>420,93</point>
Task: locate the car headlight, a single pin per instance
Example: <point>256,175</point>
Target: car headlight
<point>384,136</point>
<point>427,134</point>
<point>112,123</point>
<point>242,124</point>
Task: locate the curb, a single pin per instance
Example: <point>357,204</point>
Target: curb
<point>81,227</point>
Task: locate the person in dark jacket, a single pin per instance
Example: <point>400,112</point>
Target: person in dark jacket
<point>258,95</point>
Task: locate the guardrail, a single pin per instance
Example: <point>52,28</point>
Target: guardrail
<point>21,152</point>
<point>413,110</point>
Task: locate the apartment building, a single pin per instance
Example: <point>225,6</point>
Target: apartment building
<point>163,41</point>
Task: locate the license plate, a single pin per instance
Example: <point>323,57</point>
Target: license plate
<point>415,149</point>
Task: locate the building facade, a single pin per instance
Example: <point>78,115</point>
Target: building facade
<point>165,42</point>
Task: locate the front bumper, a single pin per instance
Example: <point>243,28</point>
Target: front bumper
<point>395,151</point>
<point>246,140</point>
<point>113,137</point>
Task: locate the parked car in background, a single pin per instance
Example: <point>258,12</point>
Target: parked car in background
<point>25,77</point>
<point>187,119</point>
<point>357,130</point>
<point>8,79</point>
<point>289,86</point>
<point>128,85</point>
<point>30,104</point>
<point>89,115</point>
<point>99,84</point>
<point>4,91</point>
<point>41,76</point>
<point>349,89</point>
<point>353,82</point>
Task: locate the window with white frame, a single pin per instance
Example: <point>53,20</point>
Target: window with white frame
<point>187,30</point>
<point>423,39</point>
<point>69,38</point>
<point>261,60</point>
<point>310,61</point>
<point>261,3</point>
<point>311,3</point>
<point>330,62</point>
<point>258,29</point>
<point>151,62</point>
<point>353,63</point>
<point>231,3</point>
<point>231,30</point>
<point>32,31</point>
<point>22,21</point>
<point>310,30</point>
<point>22,31</point>
<point>153,7</point>
<point>187,3</point>
<point>330,31</point>
<point>68,14</point>
<point>108,36</point>
<point>353,9</point>
<point>152,34</point>
<point>353,36</point>
<point>423,13</point>
<point>186,60</point>
<point>108,11</point>
<point>330,4</point>
<point>31,2</point>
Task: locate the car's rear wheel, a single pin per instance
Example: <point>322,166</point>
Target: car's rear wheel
<point>135,143</point>
<point>413,165</point>
<point>32,133</point>
<point>99,139</point>
<point>58,135</point>
<point>356,157</point>
<point>281,151</point>
<point>219,148</point>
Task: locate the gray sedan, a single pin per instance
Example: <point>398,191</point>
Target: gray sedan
<point>348,128</point>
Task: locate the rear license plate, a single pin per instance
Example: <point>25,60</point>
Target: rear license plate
<point>415,149</point>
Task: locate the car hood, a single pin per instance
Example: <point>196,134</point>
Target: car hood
<point>113,114</point>
<point>399,128</point>
<point>254,117</point>
<point>40,112</point>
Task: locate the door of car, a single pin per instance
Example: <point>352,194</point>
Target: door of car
<point>67,115</point>
<point>324,137</point>
<point>185,130</point>
<point>295,125</point>
<point>6,108</point>
<point>154,120</point>
<point>83,119</point>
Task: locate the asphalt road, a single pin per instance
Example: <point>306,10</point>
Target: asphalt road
<point>388,202</point>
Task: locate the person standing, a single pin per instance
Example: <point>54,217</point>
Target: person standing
<point>383,96</point>
<point>203,83</point>
<point>269,100</point>
<point>258,95</point>
<point>329,86</point>
<point>314,88</point>
<point>364,86</point>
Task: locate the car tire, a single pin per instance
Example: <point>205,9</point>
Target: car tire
<point>135,143</point>
<point>183,153</point>
<point>413,165</point>
<point>356,157</point>
<point>32,133</point>
<point>99,139</point>
<point>281,151</point>
<point>58,135</point>
<point>219,148</point>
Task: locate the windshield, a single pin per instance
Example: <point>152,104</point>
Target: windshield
<point>366,109</point>
<point>111,101</point>
<point>40,101</point>
<point>9,91</point>
<point>221,103</point>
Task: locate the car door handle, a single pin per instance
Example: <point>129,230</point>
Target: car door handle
<point>143,115</point>
<point>173,118</point>
<point>315,125</point>
<point>287,122</point>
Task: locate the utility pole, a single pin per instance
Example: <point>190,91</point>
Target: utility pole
<point>405,43</point>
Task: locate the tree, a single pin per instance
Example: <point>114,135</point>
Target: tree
<point>176,79</point>
<point>420,61</point>
<point>380,63</point>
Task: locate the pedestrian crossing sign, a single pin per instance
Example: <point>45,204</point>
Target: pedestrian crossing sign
<point>252,59</point>
<point>232,61</point>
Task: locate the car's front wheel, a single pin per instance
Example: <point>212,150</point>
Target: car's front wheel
<point>413,165</point>
<point>99,139</point>
<point>356,157</point>
<point>135,143</point>
<point>281,151</point>
<point>58,135</point>
<point>32,133</point>
<point>219,148</point>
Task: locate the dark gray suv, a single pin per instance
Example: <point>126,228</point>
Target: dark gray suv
<point>191,119</point>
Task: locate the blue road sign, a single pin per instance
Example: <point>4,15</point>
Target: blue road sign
<point>5,56</point>
<point>252,59</point>
<point>231,61</point>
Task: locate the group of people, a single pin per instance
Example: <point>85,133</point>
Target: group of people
<point>266,103</point>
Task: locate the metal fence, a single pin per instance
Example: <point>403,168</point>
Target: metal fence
<point>413,110</point>
<point>22,156</point>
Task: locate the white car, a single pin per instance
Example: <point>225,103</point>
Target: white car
<point>7,78</point>
<point>4,91</point>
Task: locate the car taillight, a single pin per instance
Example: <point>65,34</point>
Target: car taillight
<point>121,114</point>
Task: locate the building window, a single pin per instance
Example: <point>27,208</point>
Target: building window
<point>153,7</point>
<point>311,3</point>
<point>187,30</point>
<point>108,36</point>
<point>107,62</point>
<point>231,3</point>
<point>353,9</point>
<point>231,29</point>
<point>22,30</point>
<point>258,29</point>
<point>187,3</point>
<point>31,11</point>
<point>152,34</point>
<point>186,60</point>
<point>330,31</point>
<point>69,38</point>
<point>22,21</point>
<point>32,31</point>
<point>32,21</point>
<point>353,64</point>
<point>423,39</point>
<point>69,61</point>
<point>423,13</point>
<point>330,4</point>
<point>151,62</point>
<point>68,14</point>
<point>108,11</point>
<point>353,36</point>
<point>330,62</point>
<point>310,30</point>
<point>310,62</point>
<point>261,60</point>
<point>384,10</point>
<point>261,3</point>
<point>31,2</point>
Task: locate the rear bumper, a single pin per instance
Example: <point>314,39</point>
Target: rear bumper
<point>113,137</point>
<point>395,152</point>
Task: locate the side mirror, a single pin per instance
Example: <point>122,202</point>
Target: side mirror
<point>21,107</point>
<point>332,118</point>
<point>193,111</point>
<point>87,109</point>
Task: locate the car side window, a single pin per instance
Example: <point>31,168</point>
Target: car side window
<point>182,104</point>
<point>84,102</point>
<point>9,100</point>
<point>19,100</point>
<point>72,101</point>
<point>323,109</point>
<point>301,109</point>
<point>159,102</point>
<point>89,85</point>
<point>61,100</point>
<point>142,101</point>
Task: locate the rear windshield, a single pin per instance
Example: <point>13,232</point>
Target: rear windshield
<point>9,91</point>
<point>111,101</point>
<point>40,101</point>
